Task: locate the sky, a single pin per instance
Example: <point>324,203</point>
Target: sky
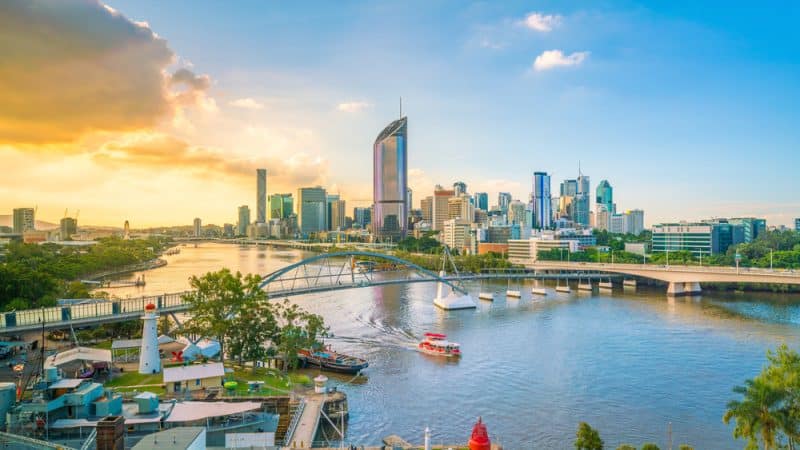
<point>159,112</point>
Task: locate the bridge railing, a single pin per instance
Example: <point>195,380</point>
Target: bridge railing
<point>672,268</point>
<point>97,309</point>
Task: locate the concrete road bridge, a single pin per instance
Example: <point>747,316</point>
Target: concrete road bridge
<point>680,280</point>
<point>319,273</point>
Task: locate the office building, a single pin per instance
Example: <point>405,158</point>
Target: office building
<point>69,226</point>
<point>409,201</point>
<point>460,208</point>
<point>24,220</point>
<point>197,227</point>
<point>338,215</point>
<point>244,220</point>
<point>330,198</point>
<point>426,205</point>
<point>526,250</point>
<point>752,227</point>
<point>281,206</point>
<point>227,230</point>
<point>605,197</point>
<point>797,224</point>
<point>602,218</point>
<point>542,212</point>
<point>635,221</point>
<point>618,224</point>
<point>440,210</point>
<point>261,195</point>
<point>312,210</point>
<point>460,188</point>
<point>390,175</point>
<point>482,200</point>
<point>582,201</point>
<point>516,213</point>
<point>698,238</point>
<point>362,217</point>
<point>503,200</point>
<point>498,234</point>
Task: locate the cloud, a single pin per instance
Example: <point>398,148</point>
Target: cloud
<point>491,45</point>
<point>146,150</point>
<point>353,107</point>
<point>74,67</point>
<point>246,103</point>
<point>541,22</point>
<point>555,58</point>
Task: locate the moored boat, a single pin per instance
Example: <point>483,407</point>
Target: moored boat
<point>331,360</point>
<point>437,344</point>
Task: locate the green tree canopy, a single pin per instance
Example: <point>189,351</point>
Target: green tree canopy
<point>587,438</point>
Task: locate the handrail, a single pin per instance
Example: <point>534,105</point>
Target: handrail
<point>90,440</point>
<point>293,423</point>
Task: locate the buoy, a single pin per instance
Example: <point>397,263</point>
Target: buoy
<point>480,437</point>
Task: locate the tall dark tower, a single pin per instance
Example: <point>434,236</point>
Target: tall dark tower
<point>390,178</point>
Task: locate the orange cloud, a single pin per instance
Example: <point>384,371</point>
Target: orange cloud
<point>74,67</point>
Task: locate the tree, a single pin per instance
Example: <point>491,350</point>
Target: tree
<point>626,447</point>
<point>685,447</point>
<point>216,298</point>
<point>650,446</point>
<point>757,415</point>
<point>587,438</point>
<point>300,330</point>
<point>252,327</point>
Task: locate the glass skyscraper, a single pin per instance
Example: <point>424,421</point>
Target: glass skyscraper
<point>482,200</point>
<point>390,175</point>
<point>605,196</point>
<point>261,195</point>
<point>281,206</point>
<point>542,213</point>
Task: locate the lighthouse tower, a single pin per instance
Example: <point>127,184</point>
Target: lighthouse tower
<point>149,360</point>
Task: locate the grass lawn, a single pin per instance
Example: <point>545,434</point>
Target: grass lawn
<point>134,379</point>
<point>275,382</point>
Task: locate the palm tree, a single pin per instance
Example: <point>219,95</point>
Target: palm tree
<point>758,415</point>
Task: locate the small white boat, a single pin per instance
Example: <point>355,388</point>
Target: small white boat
<point>437,345</point>
<point>486,296</point>
<point>513,293</point>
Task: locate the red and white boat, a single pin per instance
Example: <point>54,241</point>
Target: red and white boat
<point>437,344</point>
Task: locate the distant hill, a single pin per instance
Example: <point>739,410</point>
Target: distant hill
<point>8,221</point>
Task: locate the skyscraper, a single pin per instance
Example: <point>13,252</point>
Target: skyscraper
<point>605,196</point>
<point>281,206</point>
<point>503,200</point>
<point>261,195</point>
<point>582,201</point>
<point>24,220</point>
<point>409,201</point>
<point>426,204</point>
<point>338,215</point>
<point>197,227</point>
<point>516,213</point>
<point>244,220</point>
<point>797,224</point>
<point>566,200</point>
<point>330,198</point>
<point>389,176</point>
<point>460,187</point>
<point>542,214</point>
<point>312,210</point>
<point>482,200</point>
<point>362,216</point>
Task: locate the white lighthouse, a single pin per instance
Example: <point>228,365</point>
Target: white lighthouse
<point>149,360</point>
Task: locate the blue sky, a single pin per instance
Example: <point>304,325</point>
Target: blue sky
<point>689,109</point>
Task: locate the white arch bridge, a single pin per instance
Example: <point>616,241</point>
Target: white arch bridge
<point>319,273</point>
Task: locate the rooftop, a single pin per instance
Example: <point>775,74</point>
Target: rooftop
<point>179,438</point>
<point>193,372</point>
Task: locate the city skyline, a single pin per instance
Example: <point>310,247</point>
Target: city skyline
<point>177,133</point>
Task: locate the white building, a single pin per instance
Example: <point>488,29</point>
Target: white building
<point>526,250</point>
<point>456,234</point>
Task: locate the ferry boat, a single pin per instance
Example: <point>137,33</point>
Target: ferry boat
<point>437,344</point>
<point>331,360</point>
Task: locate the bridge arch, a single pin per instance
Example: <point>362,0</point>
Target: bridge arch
<point>326,271</point>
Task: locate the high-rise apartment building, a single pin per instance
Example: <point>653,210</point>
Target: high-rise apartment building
<point>482,200</point>
<point>69,226</point>
<point>542,212</point>
<point>605,197</point>
<point>456,234</point>
<point>362,216</point>
<point>426,204</point>
<point>197,227</point>
<point>390,182</point>
<point>281,206</point>
<point>261,195</point>
<point>461,208</point>
<point>602,217</point>
<point>460,188</point>
<point>244,220</point>
<point>24,220</point>
<point>440,210</point>
<point>635,221</point>
<point>312,210</point>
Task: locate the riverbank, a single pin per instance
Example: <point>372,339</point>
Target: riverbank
<point>138,267</point>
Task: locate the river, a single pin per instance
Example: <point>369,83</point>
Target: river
<point>628,363</point>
